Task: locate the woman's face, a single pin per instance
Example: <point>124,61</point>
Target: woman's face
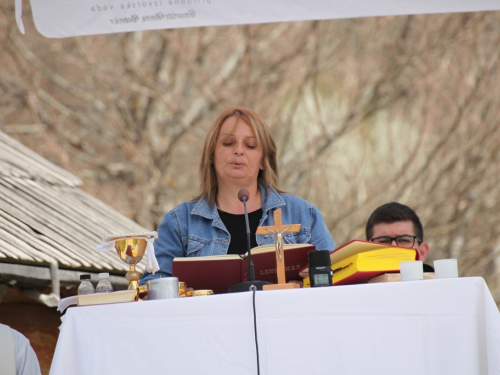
<point>237,157</point>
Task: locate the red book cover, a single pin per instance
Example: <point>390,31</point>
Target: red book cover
<point>359,277</point>
<point>220,272</point>
<point>217,273</point>
<point>265,262</point>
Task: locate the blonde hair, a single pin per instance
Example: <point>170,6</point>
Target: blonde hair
<point>267,177</point>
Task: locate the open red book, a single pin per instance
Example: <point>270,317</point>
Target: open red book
<point>358,261</point>
<point>220,272</point>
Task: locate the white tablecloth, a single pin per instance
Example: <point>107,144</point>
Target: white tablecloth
<point>440,327</point>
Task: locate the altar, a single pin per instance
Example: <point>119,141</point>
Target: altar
<point>431,327</point>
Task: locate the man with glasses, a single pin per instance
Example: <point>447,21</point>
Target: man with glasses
<point>398,225</point>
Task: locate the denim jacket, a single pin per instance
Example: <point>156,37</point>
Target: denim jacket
<point>195,229</point>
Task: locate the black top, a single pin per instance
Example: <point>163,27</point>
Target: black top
<point>237,228</point>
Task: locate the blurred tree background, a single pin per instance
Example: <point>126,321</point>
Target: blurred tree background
<point>365,111</point>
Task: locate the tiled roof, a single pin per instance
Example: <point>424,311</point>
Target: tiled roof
<point>45,216</point>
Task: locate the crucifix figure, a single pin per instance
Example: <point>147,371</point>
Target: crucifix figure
<point>278,229</point>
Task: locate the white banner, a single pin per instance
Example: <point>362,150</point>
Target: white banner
<point>66,18</point>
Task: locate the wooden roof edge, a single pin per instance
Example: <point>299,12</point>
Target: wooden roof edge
<point>40,272</point>
<point>53,170</point>
<point>112,270</point>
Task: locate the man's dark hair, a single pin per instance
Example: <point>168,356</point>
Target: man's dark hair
<point>391,213</point>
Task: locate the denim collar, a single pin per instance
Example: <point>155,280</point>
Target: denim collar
<point>202,208</point>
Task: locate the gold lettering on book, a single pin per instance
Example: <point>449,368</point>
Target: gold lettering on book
<point>270,271</point>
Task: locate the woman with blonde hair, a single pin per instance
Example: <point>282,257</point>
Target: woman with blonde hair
<point>239,153</point>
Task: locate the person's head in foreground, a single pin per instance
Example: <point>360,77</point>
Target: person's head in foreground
<point>397,225</point>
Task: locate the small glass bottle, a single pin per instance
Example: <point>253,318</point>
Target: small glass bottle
<point>104,284</point>
<point>85,286</point>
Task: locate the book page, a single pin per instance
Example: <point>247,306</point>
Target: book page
<point>210,257</point>
<point>272,247</point>
<point>256,250</point>
<point>355,247</point>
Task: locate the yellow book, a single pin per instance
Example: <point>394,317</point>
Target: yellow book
<point>104,298</point>
<point>358,261</point>
<point>98,299</point>
<point>360,268</point>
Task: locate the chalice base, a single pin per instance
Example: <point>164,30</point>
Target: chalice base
<point>133,279</point>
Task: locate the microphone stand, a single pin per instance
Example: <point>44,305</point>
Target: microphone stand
<point>251,283</point>
<point>251,268</point>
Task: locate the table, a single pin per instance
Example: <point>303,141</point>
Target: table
<point>448,326</point>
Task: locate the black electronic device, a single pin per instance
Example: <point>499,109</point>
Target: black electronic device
<point>320,268</point>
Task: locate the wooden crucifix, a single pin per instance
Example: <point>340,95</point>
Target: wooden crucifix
<point>278,229</point>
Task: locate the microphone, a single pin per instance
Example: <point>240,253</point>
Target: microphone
<point>243,196</point>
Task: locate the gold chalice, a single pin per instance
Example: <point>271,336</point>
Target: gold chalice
<point>131,248</point>
<point>131,251</point>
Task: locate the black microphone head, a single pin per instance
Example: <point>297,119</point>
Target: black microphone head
<point>243,195</point>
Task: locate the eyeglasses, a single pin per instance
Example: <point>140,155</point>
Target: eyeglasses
<point>403,241</point>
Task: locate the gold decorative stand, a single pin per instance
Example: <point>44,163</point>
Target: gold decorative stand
<point>278,229</point>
